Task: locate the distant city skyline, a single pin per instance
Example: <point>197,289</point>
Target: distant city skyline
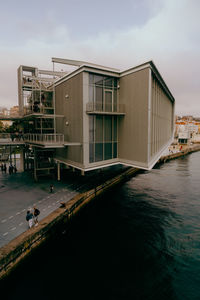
<point>112,33</point>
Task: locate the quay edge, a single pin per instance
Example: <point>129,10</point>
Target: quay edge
<point>187,150</point>
<point>20,247</point>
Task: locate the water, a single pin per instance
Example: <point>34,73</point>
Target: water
<point>141,241</point>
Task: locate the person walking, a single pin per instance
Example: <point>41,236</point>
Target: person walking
<point>51,188</point>
<point>15,169</point>
<point>36,214</point>
<point>5,167</point>
<point>10,170</point>
<point>29,218</point>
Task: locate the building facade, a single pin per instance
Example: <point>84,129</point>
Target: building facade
<point>95,116</point>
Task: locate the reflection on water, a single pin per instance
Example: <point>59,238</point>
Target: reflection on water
<point>141,241</point>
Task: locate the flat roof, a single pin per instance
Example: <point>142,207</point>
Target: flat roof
<point>90,67</point>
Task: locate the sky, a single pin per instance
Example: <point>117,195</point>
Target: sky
<point>114,33</point>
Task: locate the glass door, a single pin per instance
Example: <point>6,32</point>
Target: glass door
<point>108,100</point>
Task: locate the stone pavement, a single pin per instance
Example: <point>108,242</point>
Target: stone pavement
<point>19,192</point>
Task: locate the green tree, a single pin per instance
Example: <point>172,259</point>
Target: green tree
<point>1,126</point>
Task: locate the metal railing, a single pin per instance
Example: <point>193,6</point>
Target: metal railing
<point>38,109</point>
<point>105,107</point>
<point>11,137</point>
<point>57,138</point>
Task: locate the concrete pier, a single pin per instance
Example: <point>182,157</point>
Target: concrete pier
<point>12,253</point>
<point>185,151</point>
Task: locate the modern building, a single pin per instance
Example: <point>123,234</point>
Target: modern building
<point>96,116</point>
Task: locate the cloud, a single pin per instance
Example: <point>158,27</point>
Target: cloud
<point>167,36</point>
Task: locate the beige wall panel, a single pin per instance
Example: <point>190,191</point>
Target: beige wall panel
<point>162,117</point>
<point>72,109</point>
<point>70,154</point>
<point>133,127</point>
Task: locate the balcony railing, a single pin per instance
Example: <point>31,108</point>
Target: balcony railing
<point>44,138</point>
<point>38,109</point>
<point>15,137</point>
<point>105,108</point>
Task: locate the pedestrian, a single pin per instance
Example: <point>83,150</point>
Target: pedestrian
<point>10,169</point>
<point>29,218</point>
<point>5,167</point>
<point>15,169</point>
<point>36,214</point>
<point>51,188</point>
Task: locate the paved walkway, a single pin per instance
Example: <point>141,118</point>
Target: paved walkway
<point>19,192</point>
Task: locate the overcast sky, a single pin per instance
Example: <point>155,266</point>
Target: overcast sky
<point>114,33</point>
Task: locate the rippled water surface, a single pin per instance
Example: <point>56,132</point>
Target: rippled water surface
<point>140,241</point>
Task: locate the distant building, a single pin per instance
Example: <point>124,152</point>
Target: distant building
<point>14,111</point>
<point>96,116</point>
<point>4,111</point>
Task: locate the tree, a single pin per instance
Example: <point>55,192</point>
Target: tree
<point>1,126</point>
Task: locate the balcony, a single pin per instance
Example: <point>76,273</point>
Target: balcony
<point>38,110</point>
<point>45,140</point>
<point>11,139</point>
<point>105,108</point>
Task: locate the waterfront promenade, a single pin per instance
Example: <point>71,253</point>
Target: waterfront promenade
<point>19,192</point>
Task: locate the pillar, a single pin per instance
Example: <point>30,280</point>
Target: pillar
<point>10,155</point>
<point>58,171</point>
<point>22,160</point>
<point>82,173</point>
<point>35,165</point>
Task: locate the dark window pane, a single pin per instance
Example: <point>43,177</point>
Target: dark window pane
<point>91,150</point>
<point>98,80</point>
<point>115,101</point>
<point>114,150</point>
<point>91,128</point>
<point>108,82</point>
<point>99,129</point>
<point>108,129</point>
<point>115,129</point>
<point>108,100</point>
<point>91,78</point>
<point>99,98</point>
<point>91,93</point>
<point>98,151</point>
<point>107,151</point>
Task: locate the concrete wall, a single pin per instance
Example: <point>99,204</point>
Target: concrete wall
<point>133,127</point>
<point>71,107</point>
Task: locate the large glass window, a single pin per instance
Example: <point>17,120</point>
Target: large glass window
<point>102,138</point>
<point>103,92</point>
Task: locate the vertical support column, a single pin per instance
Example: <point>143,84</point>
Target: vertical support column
<point>35,170</point>
<point>86,140</point>
<point>22,156</point>
<point>58,171</point>
<point>54,108</point>
<point>10,156</point>
<point>82,173</point>
<point>15,159</point>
